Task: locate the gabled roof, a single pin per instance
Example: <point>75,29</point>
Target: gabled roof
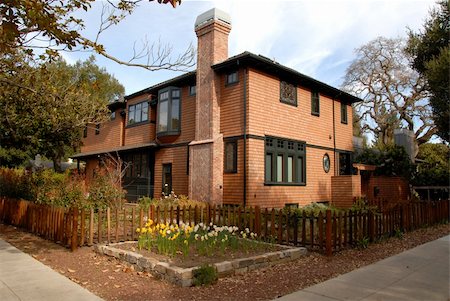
<point>248,59</point>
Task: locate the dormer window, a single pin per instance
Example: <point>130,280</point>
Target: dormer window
<point>169,112</point>
<point>288,93</point>
<point>192,90</point>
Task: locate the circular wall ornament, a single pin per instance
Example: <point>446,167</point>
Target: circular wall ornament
<point>326,163</point>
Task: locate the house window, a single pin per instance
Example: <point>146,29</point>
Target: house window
<point>343,113</point>
<point>137,113</point>
<point>345,164</point>
<point>169,112</point>
<point>284,162</point>
<point>85,131</point>
<point>232,78</point>
<point>288,93</point>
<point>113,115</point>
<point>315,103</point>
<point>167,178</point>
<point>230,162</point>
<point>137,165</point>
<point>192,90</point>
<point>97,129</point>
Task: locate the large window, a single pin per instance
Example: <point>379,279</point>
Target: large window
<point>344,113</point>
<point>137,113</point>
<point>315,103</point>
<point>169,112</point>
<point>137,165</point>
<point>288,93</point>
<point>230,162</point>
<point>345,164</point>
<point>285,162</point>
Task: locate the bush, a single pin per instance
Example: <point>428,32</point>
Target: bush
<point>16,183</point>
<point>170,200</point>
<point>205,275</point>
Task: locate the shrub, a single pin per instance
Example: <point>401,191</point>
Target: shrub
<point>205,275</point>
<point>16,183</point>
<point>363,243</point>
<point>170,200</point>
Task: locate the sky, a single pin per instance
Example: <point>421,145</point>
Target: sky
<point>314,37</point>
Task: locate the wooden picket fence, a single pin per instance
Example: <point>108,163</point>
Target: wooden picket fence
<point>325,232</point>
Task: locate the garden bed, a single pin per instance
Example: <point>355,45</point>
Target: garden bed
<point>180,270</point>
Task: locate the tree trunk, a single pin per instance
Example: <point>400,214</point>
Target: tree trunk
<point>57,164</point>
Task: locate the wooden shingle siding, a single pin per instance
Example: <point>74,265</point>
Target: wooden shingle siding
<point>178,157</point>
<point>110,135</point>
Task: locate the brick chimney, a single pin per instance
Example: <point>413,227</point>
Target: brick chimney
<point>206,151</point>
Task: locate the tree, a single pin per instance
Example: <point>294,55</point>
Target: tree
<point>52,26</point>
<point>394,95</point>
<point>44,108</point>
<point>433,168</point>
<point>431,58</point>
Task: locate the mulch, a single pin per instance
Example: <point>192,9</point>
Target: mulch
<point>112,280</point>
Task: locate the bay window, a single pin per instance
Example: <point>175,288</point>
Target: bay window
<point>169,112</point>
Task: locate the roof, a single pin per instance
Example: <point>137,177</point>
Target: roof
<point>114,150</point>
<point>184,79</point>
<point>248,59</point>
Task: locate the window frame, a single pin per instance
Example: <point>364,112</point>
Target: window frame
<point>233,168</point>
<point>276,147</point>
<point>292,102</point>
<point>85,131</point>
<point>344,113</point>
<point>234,81</point>
<point>134,106</point>
<point>315,97</point>
<point>169,131</point>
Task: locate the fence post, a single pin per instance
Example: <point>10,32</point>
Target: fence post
<point>328,248</point>
<point>371,226</point>
<point>74,241</point>
<point>257,221</point>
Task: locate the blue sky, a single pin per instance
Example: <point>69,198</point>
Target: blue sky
<point>316,37</point>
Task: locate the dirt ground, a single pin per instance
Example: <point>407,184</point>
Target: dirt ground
<point>111,280</point>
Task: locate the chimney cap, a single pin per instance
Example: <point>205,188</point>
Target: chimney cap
<point>212,14</point>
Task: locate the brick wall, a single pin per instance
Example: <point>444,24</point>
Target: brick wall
<point>139,133</point>
<point>390,189</point>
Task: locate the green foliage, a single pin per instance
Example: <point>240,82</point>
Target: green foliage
<point>431,57</point>
<point>205,275</point>
<point>390,160</point>
<point>172,199</point>
<point>361,205</point>
<point>398,233</point>
<point>433,168</point>
<point>47,106</point>
<point>362,243</point>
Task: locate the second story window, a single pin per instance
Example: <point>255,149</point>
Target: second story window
<point>288,93</point>
<point>315,103</point>
<point>343,113</point>
<point>169,112</point>
<point>137,113</point>
<point>113,115</point>
<point>232,78</point>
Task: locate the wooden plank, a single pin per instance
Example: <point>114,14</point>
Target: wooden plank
<point>133,222</point>
<point>74,240</point>
<point>141,218</point>
<point>288,215</point>
<point>108,224</point>
<point>100,226</point>
<point>125,238</point>
<point>303,228</point>
<point>272,223</point>
<point>329,251</point>
<point>82,227</point>
<point>340,230</point>
<point>311,229</point>
<point>320,229</point>
<point>280,226</point>
<point>116,217</point>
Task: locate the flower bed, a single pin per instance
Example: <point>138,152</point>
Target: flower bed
<point>175,252</point>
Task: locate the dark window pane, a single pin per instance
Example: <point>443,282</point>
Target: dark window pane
<point>315,103</point>
<point>231,157</point>
<point>343,113</point>
<point>268,167</point>
<point>163,114</point>
<point>300,169</point>
<point>175,121</point>
<point>167,178</point>
<point>288,93</point>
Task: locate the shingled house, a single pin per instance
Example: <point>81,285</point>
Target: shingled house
<point>238,130</point>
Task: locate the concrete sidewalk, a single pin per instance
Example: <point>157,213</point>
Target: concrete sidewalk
<point>422,273</point>
<point>24,278</point>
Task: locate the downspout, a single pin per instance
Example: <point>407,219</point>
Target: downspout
<point>245,135</point>
<point>334,140</point>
